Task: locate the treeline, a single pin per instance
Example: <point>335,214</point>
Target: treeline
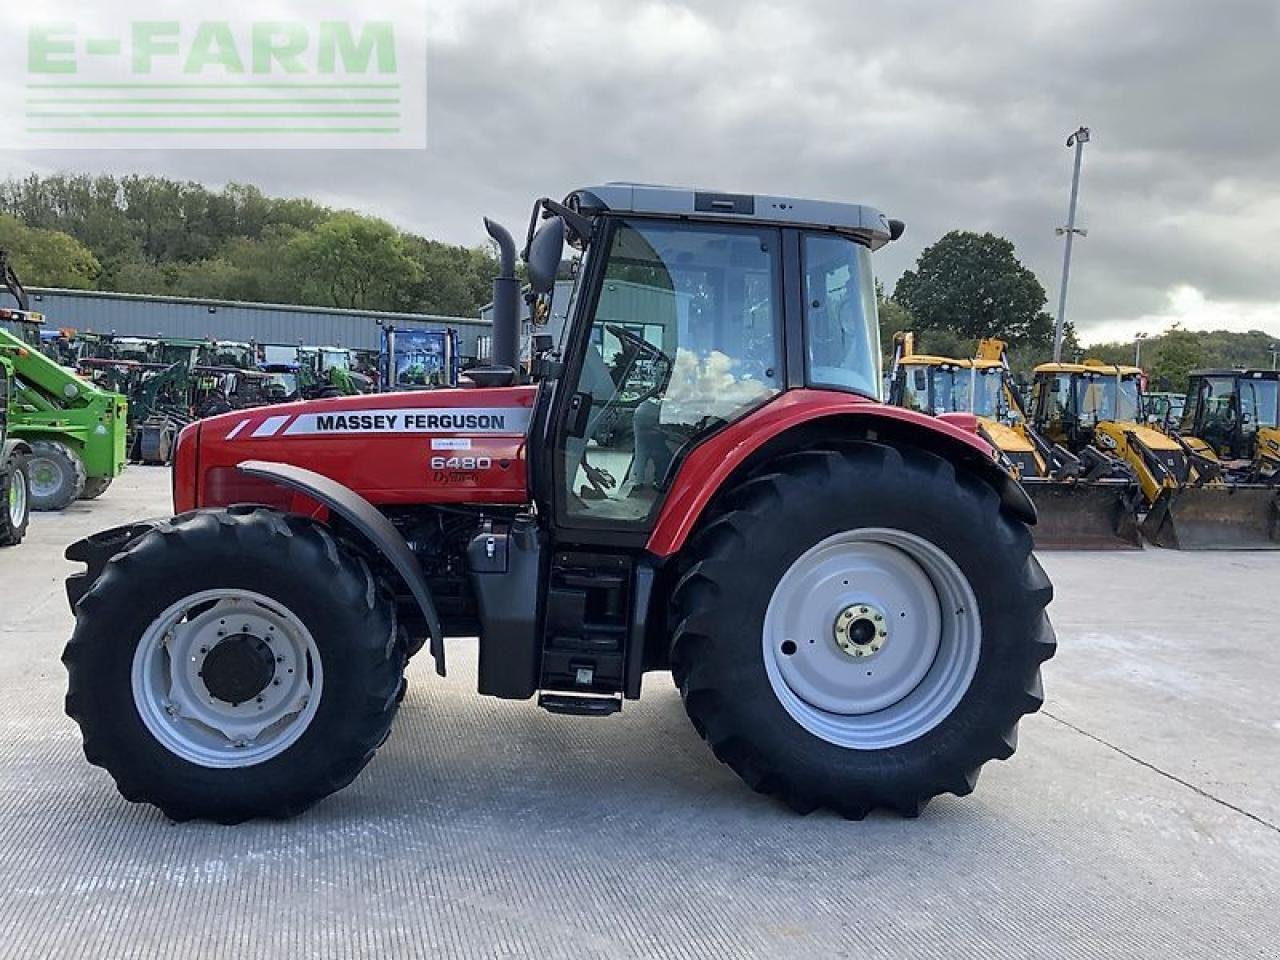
<point>154,235</point>
<point>1169,357</point>
<point>969,285</point>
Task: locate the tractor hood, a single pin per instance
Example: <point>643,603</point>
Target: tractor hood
<point>436,446</point>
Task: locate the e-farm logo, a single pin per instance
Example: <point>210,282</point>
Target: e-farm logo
<point>160,83</point>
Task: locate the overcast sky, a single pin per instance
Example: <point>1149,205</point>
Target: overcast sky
<point>946,115</point>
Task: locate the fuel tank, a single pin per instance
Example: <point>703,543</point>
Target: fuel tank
<point>434,446</point>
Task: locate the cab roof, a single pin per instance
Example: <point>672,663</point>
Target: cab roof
<point>1090,366</point>
<point>924,359</point>
<point>864,223</point>
<point>1226,372</point>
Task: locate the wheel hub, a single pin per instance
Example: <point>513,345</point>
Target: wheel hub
<point>871,638</point>
<point>45,476</point>
<point>861,630</point>
<point>239,668</point>
<point>227,678</point>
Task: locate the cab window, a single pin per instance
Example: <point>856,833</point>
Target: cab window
<point>685,339</point>
<point>841,330</point>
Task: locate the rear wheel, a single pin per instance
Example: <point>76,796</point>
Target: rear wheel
<point>234,664</point>
<point>861,628</point>
<point>15,502</point>
<point>94,487</point>
<point>57,475</point>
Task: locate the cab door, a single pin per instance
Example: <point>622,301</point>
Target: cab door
<point>677,332</point>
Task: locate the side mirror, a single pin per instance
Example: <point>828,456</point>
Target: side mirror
<point>543,259</point>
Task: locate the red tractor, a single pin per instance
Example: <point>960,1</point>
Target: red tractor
<point>698,478</point>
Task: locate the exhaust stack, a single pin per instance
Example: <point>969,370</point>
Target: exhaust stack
<point>506,300</point>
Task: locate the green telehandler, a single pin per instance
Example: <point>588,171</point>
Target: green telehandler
<point>76,431</point>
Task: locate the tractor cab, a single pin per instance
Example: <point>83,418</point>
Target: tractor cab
<point>21,321</point>
<point>689,312</point>
<point>1235,412</point>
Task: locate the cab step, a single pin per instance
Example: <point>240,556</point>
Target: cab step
<point>579,706</point>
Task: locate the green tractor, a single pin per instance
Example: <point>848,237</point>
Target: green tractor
<point>15,481</point>
<point>76,431</point>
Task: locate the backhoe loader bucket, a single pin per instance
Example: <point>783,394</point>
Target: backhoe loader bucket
<point>1219,517</point>
<point>1084,516</point>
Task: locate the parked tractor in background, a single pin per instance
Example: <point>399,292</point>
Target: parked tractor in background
<point>1082,502</point>
<point>75,430</point>
<point>844,591</point>
<point>1188,503</point>
<point>15,456</point>
<point>412,358</point>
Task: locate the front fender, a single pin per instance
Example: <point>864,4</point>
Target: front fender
<point>378,531</point>
<point>800,418</point>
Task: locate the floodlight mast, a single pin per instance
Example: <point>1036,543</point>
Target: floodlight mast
<point>1077,140</point>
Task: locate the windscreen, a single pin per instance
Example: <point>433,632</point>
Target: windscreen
<point>1101,397</point>
<point>1260,401</point>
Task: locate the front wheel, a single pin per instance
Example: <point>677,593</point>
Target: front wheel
<point>861,628</point>
<point>57,475</point>
<point>234,664</point>
<point>15,501</point>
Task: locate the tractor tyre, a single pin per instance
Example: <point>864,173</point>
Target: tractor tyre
<point>234,664</point>
<point>56,473</point>
<point>861,628</point>
<point>94,487</point>
<point>15,501</point>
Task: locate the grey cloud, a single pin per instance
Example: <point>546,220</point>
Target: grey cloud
<point>947,115</point>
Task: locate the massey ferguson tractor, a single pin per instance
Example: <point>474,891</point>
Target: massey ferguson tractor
<point>844,591</point>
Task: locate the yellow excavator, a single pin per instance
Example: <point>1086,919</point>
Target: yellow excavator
<point>1084,501</point>
<point>1190,503</point>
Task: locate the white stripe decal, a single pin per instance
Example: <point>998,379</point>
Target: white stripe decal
<point>470,420</point>
<point>270,426</point>
<point>235,431</point>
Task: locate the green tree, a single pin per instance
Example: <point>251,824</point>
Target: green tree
<point>1178,354</point>
<point>48,258</point>
<point>354,261</point>
<point>973,285</point>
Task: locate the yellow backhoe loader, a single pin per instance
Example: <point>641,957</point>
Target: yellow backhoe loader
<point>1084,501</point>
<point>1190,503</point>
<point>1235,416</point>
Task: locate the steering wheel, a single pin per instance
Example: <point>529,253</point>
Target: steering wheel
<point>638,347</point>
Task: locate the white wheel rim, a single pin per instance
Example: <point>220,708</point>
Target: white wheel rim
<point>872,638</point>
<point>17,499</point>
<point>45,476</point>
<point>193,721</point>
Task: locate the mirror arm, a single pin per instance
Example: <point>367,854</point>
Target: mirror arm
<point>578,225</point>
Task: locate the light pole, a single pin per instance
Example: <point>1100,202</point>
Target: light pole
<point>1275,351</point>
<point>1137,348</point>
<point>1077,140</point>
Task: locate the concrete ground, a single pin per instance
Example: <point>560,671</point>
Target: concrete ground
<point>1140,817</point>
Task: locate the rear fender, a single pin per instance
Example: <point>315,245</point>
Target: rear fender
<point>14,448</point>
<point>379,533</point>
<point>803,418</point>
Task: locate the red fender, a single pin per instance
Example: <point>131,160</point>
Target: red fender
<point>707,468</point>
